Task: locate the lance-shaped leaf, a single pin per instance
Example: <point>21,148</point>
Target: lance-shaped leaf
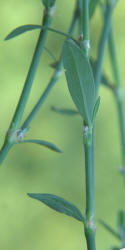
<point>80,79</point>
<point>69,112</point>
<point>59,204</point>
<point>43,143</point>
<point>22,29</point>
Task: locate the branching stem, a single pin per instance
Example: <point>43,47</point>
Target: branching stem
<point>15,123</point>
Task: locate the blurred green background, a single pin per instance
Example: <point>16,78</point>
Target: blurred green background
<point>25,223</point>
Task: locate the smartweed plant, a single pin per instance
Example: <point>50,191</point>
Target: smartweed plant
<point>84,76</point>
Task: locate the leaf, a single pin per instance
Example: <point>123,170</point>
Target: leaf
<point>110,229</point>
<point>59,204</point>
<point>22,29</point>
<point>95,110</point>
<point>43,143</point>
<point>80,79</point>
<point>65,111</point>
<point>48,3</point>
<point>92,7</point>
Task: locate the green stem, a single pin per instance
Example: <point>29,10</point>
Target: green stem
<point>86,41</point>
<point>103,43</point>
<point>53,80</point>
<point>12,131</point>
<point>113,58</point>
<point>89,226</point>
<point>90,194</point>
<point>117,93</point>
<point>119,104</point>
<point>4,151</point>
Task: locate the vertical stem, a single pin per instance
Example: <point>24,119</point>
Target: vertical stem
<point>89,151</point>
<point>117,93</point>
<point>90,195</point>
<point>86,27</point>
<point>102,43</point>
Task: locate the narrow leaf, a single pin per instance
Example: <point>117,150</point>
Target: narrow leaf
<point>59,204</point>
<point>95,110</point>
<point>80,79</point>
<point>110,229</point>
<point>22,29</point>
<point>43,143</point>
<point>69,112</point>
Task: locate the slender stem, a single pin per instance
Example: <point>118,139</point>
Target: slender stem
<point>118,93</point>
<point>89,226</point>
<point>90,195</point>
<point>103,43</point>
<point>54,78</point>
<point>86,27</point>
<point>12,135</point>
<point>119,104</point>
<point>113,58</point>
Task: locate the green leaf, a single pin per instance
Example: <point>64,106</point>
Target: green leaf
<point>65,111</point>
<point>110,229</point>
<point>22,29</point>
<point>48,3</point>
<point>95,110</point>
<point>92,7</point>
<point>43,143</point>
<point>80,79</point>
<point>59,204</point>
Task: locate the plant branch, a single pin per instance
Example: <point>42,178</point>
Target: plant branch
<point>12,135</point>
<point>103,43</point>
<point>54,78</point>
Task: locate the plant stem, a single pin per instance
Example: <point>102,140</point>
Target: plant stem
<point>54,78</point>
<point>14,126</point>
<point>89,226</point>
<point>102,43</point>
<point>118,93</point>
<point>90,195</point>
<point>86,27</point>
